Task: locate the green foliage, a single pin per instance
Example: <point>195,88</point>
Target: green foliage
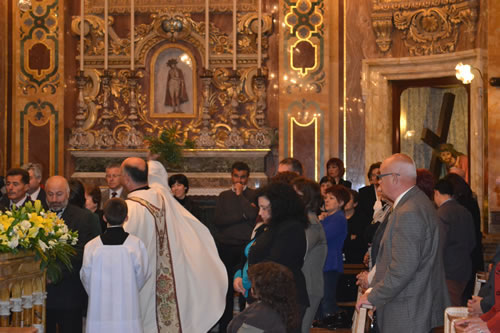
<point>169,147</point>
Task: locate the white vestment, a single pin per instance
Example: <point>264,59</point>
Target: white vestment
<point>112,276</point>
<point>199,274</point>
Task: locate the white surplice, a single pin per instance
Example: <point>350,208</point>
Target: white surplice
<point>112,276</point>
<point>199,274</point>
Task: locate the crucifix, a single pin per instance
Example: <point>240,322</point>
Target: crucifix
<point>435,139</point>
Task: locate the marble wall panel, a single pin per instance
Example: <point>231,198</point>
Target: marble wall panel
<point>38,87</point>
<point>493,149</point>
<point>4,63</point>
<point>359,45</point>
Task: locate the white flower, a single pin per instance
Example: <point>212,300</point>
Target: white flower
<point>42,244</point>
<point>74,241</point>
<point>64,237</point>
<point>25,225</point>
<point>13,242</point>
<point>52,243</point>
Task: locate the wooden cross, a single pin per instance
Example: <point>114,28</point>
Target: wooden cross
<point>433,139</point>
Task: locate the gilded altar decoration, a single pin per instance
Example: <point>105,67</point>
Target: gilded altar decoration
<point>38,88</point>
<point>169,88</point>
<point>304,44</point>
<point>152,6</point>
<point>30,228</point>
<point>429,27</point>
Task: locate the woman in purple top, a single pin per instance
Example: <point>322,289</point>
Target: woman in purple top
<point>335,226</point>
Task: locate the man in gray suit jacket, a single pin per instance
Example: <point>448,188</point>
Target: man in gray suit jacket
<point>408,289</point>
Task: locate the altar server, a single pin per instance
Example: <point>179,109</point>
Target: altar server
<point>115,268</point>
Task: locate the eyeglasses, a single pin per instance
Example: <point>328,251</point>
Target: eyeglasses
<point>382,175</point>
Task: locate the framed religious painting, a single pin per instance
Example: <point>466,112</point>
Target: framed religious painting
<point>431,119</point>
<point>173,86</point>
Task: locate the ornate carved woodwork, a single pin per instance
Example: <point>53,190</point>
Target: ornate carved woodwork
<point>428,27</point>
<point>227,113</point>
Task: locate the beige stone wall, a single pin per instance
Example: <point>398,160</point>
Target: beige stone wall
<point>492,171</point>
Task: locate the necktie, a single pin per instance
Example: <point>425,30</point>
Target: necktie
<point>113,195</point>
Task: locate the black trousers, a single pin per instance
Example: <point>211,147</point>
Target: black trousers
<point>69,320</point>
<point>231,257</point>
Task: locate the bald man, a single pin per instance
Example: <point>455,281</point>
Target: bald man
<point>408,289</point>
<point>67,298</point>
<point>187,289</point>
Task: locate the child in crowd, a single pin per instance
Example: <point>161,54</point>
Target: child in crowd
<point>115,268</point>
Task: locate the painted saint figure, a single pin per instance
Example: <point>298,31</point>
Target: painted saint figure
<point>454,161</point>
<point>176,93</point>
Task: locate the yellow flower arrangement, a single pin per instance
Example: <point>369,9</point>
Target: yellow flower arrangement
<point>30,228</point>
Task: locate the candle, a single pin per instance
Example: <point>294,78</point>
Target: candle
<point>234,35</point>
<point>207,34</point>
<point>105,34</point>
<point>132,25</point>
<point>259,36</point>
<point>82,32</point>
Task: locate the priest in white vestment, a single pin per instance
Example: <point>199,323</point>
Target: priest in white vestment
<point>187,293</point>
<point>115,268</point>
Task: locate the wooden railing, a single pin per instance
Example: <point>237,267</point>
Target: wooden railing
<point>22,291</point>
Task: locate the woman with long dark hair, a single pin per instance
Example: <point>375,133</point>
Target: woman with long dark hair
<point>283,239</point>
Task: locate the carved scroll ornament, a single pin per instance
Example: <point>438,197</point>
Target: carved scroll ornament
<point>429,27</point>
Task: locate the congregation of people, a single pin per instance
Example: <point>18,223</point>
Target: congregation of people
<point>146,261</point>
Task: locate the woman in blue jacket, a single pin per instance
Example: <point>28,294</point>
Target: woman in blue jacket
<point>335,226</point>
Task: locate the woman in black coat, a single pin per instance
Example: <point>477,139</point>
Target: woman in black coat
<point>284,239</point>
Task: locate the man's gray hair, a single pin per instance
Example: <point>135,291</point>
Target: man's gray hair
<point>36,167</point>
<point>405,166</point>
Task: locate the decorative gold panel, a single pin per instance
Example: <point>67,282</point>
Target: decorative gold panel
<point>429,27</point>
<point>225,110</point>
<point>152,6</point>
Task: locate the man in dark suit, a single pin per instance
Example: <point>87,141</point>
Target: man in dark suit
<point>235,216</point>
<point>368,194</point>
<point>66,298</point>
<point>458,240</point>
<point>408,289</point>
<point>17,185</point>
<point>115,188</point>
<point>36,192</point>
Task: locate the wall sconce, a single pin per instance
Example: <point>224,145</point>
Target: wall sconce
<point>464,74</point>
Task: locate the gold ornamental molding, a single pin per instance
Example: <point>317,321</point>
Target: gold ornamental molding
<point>429,27</point>
<point>153,6</point>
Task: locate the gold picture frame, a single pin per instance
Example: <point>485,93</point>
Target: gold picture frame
<point>173,83</point>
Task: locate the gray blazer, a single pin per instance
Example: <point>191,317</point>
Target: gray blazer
<point>409,288</point>
<point>314,261</point>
